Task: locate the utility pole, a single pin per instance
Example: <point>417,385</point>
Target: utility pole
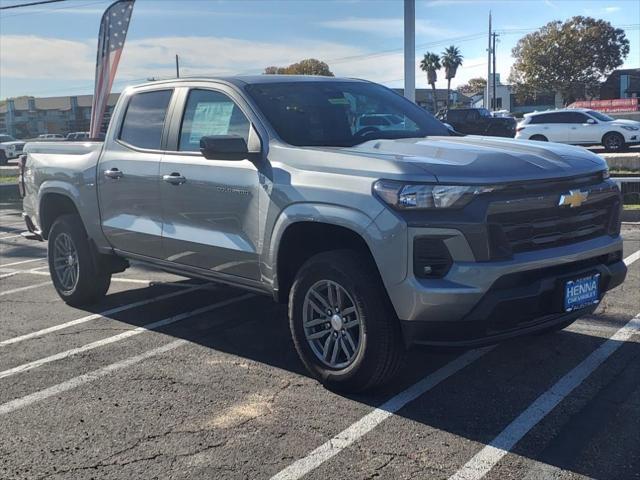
<point>487,103</point>
<point>495,98</point>
<point>410,49</point>
<point>177,67</point>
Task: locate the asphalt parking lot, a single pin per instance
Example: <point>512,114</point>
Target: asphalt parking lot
<point>173,378</point>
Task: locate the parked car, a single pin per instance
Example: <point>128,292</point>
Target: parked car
<point>50,136</point>
<point>579,126</point>
<point>9,148</point>
<point>479,121</point>
<point>376,239</point>
<point>379,121</point>
<point>77,136</point>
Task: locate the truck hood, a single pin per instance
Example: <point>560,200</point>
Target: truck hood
<point>483,160</point>
<point>13,142</point>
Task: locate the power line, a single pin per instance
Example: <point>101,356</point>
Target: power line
<point>20,5</point>
<point>44,11</point>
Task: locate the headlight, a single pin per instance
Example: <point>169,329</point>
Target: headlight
<point>403,196</point>
<point>630,128</point>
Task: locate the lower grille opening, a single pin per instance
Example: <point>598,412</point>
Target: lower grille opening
<point>431,258</point>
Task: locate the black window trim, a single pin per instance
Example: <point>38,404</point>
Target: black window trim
<point>182,97</point>
<point>165,125</point>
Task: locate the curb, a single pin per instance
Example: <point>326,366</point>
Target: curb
<point>631,216</point>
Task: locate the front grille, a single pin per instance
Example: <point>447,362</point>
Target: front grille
<point>528,230</point>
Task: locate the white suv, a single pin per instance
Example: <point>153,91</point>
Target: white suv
<point>579,127</point>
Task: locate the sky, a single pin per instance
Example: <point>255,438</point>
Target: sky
<point>50,50</point>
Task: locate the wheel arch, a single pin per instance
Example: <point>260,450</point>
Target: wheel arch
<point>55,200</point>
<point>298,235</point>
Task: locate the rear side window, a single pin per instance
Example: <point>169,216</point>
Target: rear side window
<point>144,120</point>
<point>210,113</point>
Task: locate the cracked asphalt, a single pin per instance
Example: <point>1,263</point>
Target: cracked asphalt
<point>221,394</point>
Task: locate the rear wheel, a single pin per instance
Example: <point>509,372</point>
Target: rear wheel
<point>3,157</point>
<point>342,323</point>
<point>76,275</point>
<point>539,138</point>
<point>613,142</point>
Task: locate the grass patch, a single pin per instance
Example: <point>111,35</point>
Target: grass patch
<point>632,206</point>
<point>8,179</point>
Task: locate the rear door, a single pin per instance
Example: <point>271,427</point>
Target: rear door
<point>554,126</point>
<point>128,181</point>
<point>211,215</point>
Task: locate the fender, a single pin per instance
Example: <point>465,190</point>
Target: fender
<point>355,220</point>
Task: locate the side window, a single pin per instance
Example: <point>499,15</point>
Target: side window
<point>577,117</point>
<point>210,113</point>
<point>454,115</point>
<point>473,115</point>
<point>144,119</point>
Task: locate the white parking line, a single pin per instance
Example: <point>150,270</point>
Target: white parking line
<point>121,336</point>
<point>4,265</point>
<point>86,378</point>
<point>632,258</point>
<point>22,289</point>
<point>11,236</point>
<point>95,316</point>
<point>370,421</point>
<point>490,455</point>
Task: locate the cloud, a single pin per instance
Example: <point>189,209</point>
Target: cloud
<point>388,27</point>
<point>47,58</point>
<point>611,9</point>
<point>55,62</point>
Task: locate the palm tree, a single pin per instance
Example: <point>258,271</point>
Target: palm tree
<point>431,64</point>
<point>451,60</point>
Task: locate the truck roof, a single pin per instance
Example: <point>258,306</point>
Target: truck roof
<point>241,80</point>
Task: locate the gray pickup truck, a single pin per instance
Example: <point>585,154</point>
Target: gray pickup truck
<point>377,239</point>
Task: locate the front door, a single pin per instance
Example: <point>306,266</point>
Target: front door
<point>128,177</point>
<point>210,207</point>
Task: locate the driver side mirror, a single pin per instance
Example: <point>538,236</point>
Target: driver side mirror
<point>591,121</point>
<point>231,147</point>
<point>224,147</point>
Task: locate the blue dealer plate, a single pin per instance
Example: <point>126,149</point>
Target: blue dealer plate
<point>581,293</point>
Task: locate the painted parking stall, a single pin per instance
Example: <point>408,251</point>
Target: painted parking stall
<point>173,376</point>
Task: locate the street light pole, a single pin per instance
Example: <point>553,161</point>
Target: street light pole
<point>410,49</point>
<point>488,94</point>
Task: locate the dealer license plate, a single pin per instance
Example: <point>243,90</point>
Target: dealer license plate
<point>582,292</point>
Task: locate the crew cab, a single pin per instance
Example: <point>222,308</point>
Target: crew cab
<point>377,239</point>
<point>578,126</point>
<point>479,121</point>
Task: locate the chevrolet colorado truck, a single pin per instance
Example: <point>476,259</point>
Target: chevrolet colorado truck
<point>377,239</point>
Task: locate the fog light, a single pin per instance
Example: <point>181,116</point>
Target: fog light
<point>431,258</point>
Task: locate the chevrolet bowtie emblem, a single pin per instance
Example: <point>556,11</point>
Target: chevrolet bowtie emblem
<point>574,198</point>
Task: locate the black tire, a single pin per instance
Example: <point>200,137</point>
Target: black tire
<point>91,282</point>
<point>613,142</point>
<point>381,350</point>
<point>3,158</point>
<point>539,138</point>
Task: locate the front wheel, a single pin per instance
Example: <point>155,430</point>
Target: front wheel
<point>76,275</point>
<point>343,326</point>
<point>539,138</point>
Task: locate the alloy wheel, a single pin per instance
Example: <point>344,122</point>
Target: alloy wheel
<point>332,325</point>
<point>65,262</point>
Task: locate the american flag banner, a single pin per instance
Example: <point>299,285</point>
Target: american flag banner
<point>113,32</point>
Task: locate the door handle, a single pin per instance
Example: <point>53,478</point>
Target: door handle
<point>174,178</point>
<point>113,173</point>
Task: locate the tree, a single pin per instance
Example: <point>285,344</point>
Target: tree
<point>431,64</point>
<point>308,66</point>
<point>474,85</point>
<point>571,58</point>
<point>451,60</point>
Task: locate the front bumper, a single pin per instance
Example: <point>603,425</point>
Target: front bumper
<point>517,303</point>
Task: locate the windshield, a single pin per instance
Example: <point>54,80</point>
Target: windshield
<point>600,116</point>
<point>6,138</point>
<point>484,112</point>
<point>339,114</point>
